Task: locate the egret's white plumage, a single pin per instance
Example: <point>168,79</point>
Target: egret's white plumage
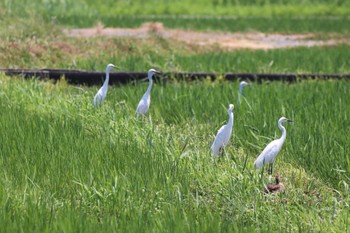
<point>102,92</point>
<point>224,133</point>
<point>270,152</point>
<point>241,85</point>
<point>143,106</point>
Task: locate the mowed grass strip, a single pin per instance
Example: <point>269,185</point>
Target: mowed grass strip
<point>68,166</point>
<point>273,24</point>
<point>130,54</point>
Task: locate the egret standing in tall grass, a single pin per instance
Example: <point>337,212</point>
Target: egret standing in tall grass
<point>241,86</point>
<point>224,134</point>
<point>145,101</point>
<point>273,148</point>
<point>102,92</point>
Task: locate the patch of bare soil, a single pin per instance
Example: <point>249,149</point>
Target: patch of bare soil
<point>249,40</point>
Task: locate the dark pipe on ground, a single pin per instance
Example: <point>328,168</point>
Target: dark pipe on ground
<point>79,77</point>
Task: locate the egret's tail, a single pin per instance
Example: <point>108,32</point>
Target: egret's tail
<point>215,151</point>
<point>259,162</point>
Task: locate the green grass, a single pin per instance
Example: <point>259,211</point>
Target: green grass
<point>281,24</point>
<point>30,43</point>
<point>266,16</point>
<point>66,166</point>
<point>140,55</point>
<point>92,9</point>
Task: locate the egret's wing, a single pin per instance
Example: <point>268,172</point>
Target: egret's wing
<point>227,134</point>
<point>219,140</point>
<point>142,107</point>
<point>144,103</point>
<point>98,98</point>
<point>268,154</point>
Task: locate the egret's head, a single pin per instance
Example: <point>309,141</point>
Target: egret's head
<point>283,119</point>
<point>231,107</point>
<point>151,72</point>
<point>109,67</point>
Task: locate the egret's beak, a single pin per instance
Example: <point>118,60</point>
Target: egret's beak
<point>156,73</point>
<point>289,120</point>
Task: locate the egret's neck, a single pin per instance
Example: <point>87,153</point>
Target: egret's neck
<point>149,85</point>
<point>240,90</point>
<point>105,84</point>
<point>284,132</point>
<point>239,94</point>
<point>230,120</point>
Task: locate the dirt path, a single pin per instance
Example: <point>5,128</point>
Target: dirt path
<point>230,41</point>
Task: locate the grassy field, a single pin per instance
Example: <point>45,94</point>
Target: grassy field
<point>29,41</point>
<point>94,54</point>
<point>91,9</point>
<point>68,167</point>
<point>268,16</point>
<point>27,44</point>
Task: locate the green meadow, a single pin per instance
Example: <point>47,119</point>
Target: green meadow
<point>69,167</point>
<point>66,166</point>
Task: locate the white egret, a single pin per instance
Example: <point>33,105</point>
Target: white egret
<point>271,150</point>
<point>241,85</point>
<point>224,133</point>
<point>143,106</point>
<point>102,92</point>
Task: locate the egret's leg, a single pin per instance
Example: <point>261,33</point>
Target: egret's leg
<point>269,172</point>
<point>222,149</point>
<point>223,152</point>
<point>270,169</point>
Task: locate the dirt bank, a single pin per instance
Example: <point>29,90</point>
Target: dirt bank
<point>230,41</point>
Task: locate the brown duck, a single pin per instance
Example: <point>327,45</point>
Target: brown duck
<point>275,188</point>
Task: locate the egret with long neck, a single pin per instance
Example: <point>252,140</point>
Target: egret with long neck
<point>224,133</point>
<point>270,152</point>
<point>241,86</point>
<point>143,106</point>
<point>102,92</point>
